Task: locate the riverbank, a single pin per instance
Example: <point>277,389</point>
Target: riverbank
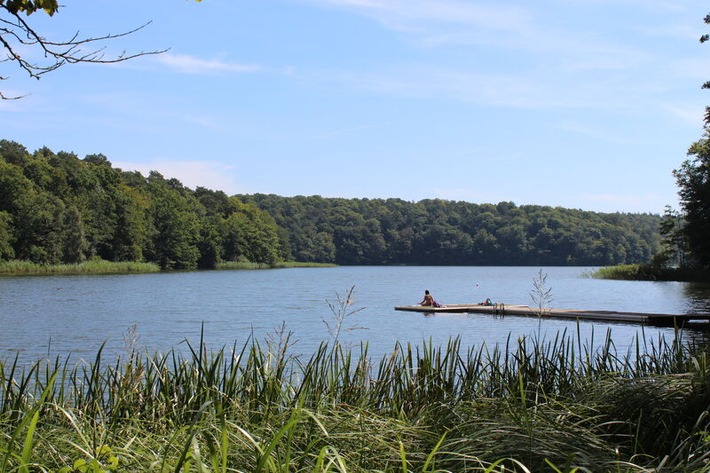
<point>536,405</point>
<point>17,268</point>
<point>87,267</point>
<point>649,272</point>
<point>279,265</point>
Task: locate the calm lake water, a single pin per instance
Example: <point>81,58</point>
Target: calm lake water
<point>46,316</point>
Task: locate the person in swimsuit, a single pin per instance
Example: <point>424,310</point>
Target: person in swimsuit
<point>428,299</point>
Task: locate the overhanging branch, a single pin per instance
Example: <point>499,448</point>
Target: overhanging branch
<point>17,34</point>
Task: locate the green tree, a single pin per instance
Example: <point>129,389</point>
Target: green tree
<point>673,243</point>
<point>250,234</point>
<point>706,85</point>
<point>73,239</point>
<point>233,231</point>
<point>209,243</point>
<point>36,222</point>
<point>131,232</point>
<point>6,250</point>
<point>693,178</point>
<point>38,227</point>
<point>173,243</point>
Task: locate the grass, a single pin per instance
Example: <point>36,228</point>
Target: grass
<point>533,405</point>
<point>281,264</point>
<point>17,267</point>
<point>650,272</point>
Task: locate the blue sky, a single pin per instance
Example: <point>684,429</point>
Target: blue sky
<point>585,104</point>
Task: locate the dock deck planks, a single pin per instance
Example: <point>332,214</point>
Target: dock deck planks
<point>661,320</point>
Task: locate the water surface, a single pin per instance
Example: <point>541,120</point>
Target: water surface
<point>46,316</point>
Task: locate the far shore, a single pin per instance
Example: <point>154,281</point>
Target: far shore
<point>635,272</point>
<point>17,268</point>
<point>650,272</point>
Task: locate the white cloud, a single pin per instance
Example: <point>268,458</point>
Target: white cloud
<point>210,174</point>
<point>193,65</point>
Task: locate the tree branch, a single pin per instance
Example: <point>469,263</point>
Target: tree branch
<point>16,33</point>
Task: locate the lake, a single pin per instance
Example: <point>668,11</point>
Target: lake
<point>47,316</point>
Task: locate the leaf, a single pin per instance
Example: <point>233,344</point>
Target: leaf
<point>27,448</point>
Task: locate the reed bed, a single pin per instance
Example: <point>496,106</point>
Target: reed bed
<point>532,405</point>
<point>278,265</point>
<point>88,267</point>
<point>17,267</point>
<point>651,272</point>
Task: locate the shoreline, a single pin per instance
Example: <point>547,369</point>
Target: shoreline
<point>99,267</point>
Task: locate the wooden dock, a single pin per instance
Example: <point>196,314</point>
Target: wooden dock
<point>658,320</point>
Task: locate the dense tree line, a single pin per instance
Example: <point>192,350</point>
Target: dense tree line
<point>441,232</point>
<point>57,208</point>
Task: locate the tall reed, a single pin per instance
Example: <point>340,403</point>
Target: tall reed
<point>87,267</point>
<point>533,404</point>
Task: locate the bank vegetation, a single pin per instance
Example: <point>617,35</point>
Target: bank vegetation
<point>534,405</point>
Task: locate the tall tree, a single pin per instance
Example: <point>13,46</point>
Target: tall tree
<point>250,234</point>
<point>693,178</point>
<point>175,226</point>
<point>706,85</point>
<point>6,250</point>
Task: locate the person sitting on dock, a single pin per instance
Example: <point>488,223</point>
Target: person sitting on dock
<point>488,301</point>
<point>429,301</point>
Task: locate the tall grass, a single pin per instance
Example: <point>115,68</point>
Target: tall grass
<point>98,266</point>
<point>278,265</point>
<point>651,272</point>
<point>533,405</point>
<point>87,267</point>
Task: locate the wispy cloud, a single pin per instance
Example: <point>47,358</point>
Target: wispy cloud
<point>517,55</point>
<point>210,174</point>
<point>407,14</point>
<point>193,65</point>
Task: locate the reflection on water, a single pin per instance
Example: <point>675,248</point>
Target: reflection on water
<point>698,297</point>
<point>74,315</point>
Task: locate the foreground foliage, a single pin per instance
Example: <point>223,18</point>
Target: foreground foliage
<point>534,405</point>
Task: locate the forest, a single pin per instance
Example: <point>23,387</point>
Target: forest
<point>442,232</point>
<point>56,208</point>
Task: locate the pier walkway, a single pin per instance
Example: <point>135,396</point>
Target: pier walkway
<point>658,320</point>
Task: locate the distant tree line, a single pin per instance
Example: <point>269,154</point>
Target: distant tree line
<point>57,208</point>
<point>442,232</point>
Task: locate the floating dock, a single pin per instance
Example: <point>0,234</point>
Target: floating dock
<point>658,320</point>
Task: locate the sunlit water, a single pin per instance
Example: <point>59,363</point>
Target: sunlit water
<point>51,316</point>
